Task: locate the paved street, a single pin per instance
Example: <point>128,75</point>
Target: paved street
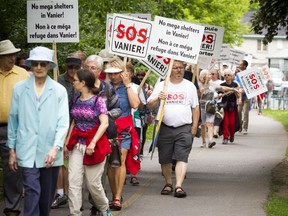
<point>227,180</point>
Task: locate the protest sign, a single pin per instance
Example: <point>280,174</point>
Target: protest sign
<point>157,64</point>
<point>175,39</point>
<point>266,72</point>
<point>109,20</point>
<point>130,36</point>
<point>252,81</point>
<point>225,53</point>
<point>211,41</point>
<point>52,21</point>
<point>210,46</point>
<point>236,56</point>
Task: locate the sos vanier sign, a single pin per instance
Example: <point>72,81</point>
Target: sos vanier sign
<point>252,82</point>
<point>130,36</point>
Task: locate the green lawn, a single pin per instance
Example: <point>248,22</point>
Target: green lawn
<point>277,205</point>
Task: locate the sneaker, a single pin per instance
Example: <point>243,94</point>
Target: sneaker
<point>107,213</point>
<point>210,145</point>
<point>203,145</point>
<point>245,132</point>
<point>231,139</point>
<point>95,212</point>
<point>225,141</point>
<point>58,201</point>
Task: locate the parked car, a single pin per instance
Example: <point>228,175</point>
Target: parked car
<point>277,77</point>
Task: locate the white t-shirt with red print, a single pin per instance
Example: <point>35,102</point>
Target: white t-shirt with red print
<point>180,100</point>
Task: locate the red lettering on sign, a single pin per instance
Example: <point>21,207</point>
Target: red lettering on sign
<point>166,60</point>
<point>254,81</point>
<point>131,33</point>
<point>120,29</point>
<point>208,38</point>
<point>142,34</point>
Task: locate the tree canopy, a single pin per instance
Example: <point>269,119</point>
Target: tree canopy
<point>92,19</point>
<point>270,15</point>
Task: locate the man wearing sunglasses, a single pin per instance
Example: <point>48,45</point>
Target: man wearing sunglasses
<point>37,126</point>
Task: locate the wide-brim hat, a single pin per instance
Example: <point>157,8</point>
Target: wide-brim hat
<point>113,70</point>
<point>7,47</point>
<point>41,54</point>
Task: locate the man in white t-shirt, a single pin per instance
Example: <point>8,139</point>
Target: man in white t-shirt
<point>179,126</point>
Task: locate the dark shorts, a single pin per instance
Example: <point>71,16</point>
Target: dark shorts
<point>174,143</point>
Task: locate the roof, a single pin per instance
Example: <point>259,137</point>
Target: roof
<point>247,20</point>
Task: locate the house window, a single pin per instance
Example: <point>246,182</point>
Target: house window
<point>261,46</point>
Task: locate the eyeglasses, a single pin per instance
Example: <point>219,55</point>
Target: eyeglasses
<point>213,73</point>
<point>36,63</point>
<point>76,67</point>
<point>227,74</point>
<point>91,68</point>
<point>178,68</point>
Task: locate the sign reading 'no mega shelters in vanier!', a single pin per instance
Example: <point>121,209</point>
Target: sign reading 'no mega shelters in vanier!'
<point>176,39</point>
<point>52,21</point>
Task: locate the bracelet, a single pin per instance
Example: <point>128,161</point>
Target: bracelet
<point>129,85</point>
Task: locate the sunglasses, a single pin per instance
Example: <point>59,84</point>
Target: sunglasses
<point>76,67</point>
<point>36,63</point>
<point>227,74</point>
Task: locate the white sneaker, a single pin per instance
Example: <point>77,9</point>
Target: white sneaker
<point>245,132</point>
<point>203,145</point>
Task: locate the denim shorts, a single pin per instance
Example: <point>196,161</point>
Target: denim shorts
<point>126,143</point>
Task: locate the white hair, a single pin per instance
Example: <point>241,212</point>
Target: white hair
<point>97,59</point>
<point>203,73</point>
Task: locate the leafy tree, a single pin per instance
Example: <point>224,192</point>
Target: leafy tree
<point>92,19</point>
<point>270,15</point>
<point>225,13</point>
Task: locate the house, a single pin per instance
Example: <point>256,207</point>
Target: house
<point>275,54</point>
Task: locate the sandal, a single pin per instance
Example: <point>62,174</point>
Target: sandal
<point>167,189</point>
<point>179,192</point>
<point>134,181</point>
<point>116,205</point>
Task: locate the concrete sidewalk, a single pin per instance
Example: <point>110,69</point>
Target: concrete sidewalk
<point>229,179</point>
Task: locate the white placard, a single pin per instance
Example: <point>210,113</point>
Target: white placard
<point>141,16</point>
<point>130,36</point>
<point>52,21</point>
<point>225,53</point>
<point>236,56</point>
<point>157,64</point>
<point>212,41</point>
<point>176,39</point>
<point>252,82</point>
<point>109,19</point>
